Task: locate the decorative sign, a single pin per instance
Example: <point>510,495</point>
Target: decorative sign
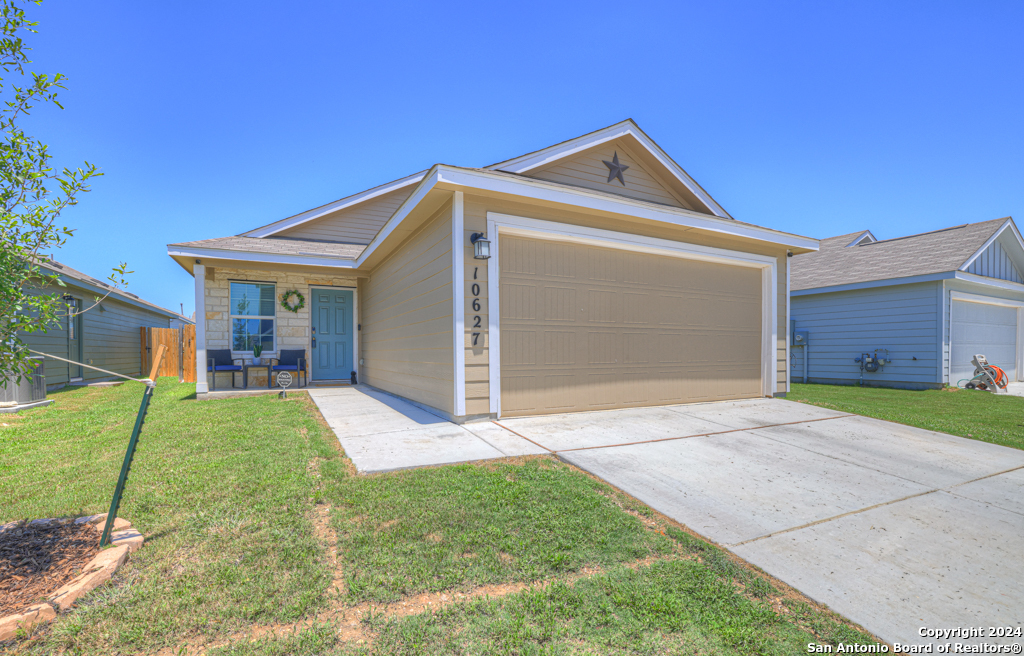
<point>284,381</point>
<point>615,170</point>
<point>475,291</point>
<point>293,300</point>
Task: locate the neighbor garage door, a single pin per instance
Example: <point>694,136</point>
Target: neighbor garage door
<point>586,328</point>
<point>980,328</point>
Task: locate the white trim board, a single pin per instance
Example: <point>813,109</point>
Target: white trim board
<point>546,156</point>
<point>459,302</point>
<point>348,201</point>
<point>202,384</point>
<point>505,224</point>
<point>595,200</point>
<point>1008,225</point>
<point>789,325</point>
<point>269,258</point>
<point>519,164</point>
<point>910,280</point>
<point>989,300</point>
<point>861,237</point>
<point>526,188</point>
<point>529,188</point>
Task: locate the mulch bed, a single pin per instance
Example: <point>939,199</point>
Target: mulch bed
<point>37,559</point>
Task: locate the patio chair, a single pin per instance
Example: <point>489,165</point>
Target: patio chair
<point>219,361</point>
<point>291,360</point>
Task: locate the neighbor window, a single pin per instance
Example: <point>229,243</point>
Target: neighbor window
<point>252,315</point>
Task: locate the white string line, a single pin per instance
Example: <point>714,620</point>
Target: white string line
<point>87,366</point>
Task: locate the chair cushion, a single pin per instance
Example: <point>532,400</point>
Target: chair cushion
<point>226,367</point>
<point>287,367</point>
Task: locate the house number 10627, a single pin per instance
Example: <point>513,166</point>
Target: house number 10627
<point>476,305</point>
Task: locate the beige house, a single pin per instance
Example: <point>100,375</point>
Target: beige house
<point>591,274</point>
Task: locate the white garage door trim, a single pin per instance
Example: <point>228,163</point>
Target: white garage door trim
<point>988,300</point>
<point>506,224</point>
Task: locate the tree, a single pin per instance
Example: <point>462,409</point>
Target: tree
<point>32,198</point>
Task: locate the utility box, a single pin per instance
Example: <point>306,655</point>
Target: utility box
<point>800,337</point>
<point>30,391</point>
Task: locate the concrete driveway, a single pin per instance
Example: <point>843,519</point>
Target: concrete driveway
<point>895,527</point>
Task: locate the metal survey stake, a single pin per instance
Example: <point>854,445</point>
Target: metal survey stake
<point>129,455</point>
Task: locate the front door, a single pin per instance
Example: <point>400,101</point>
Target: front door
<point>332,333</point>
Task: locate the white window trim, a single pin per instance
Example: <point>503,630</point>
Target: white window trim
<point>232,317</point>
<point>355,327</point>
<point>505,224</point>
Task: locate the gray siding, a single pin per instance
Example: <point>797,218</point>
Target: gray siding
<point>995,263</point>
<point>902,318</point>
<point>110,334</point>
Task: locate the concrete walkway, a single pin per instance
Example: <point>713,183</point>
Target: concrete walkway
<point>382,433</point>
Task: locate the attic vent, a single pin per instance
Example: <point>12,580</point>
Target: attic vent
<point>863,238</point>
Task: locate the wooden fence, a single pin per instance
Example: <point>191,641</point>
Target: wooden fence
<point>180,354</point>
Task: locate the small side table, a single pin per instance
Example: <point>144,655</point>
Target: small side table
<point>245,374</point>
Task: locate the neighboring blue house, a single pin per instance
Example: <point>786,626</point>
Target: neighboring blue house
<point>925,304</point>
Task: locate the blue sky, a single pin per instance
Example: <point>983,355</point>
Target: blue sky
<point>814,118</point>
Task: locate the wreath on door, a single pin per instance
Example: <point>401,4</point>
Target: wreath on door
<point>291,305</point>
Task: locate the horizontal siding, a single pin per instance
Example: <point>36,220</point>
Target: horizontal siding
<point>843,325</point>
<point>358,224</point>
<point>110,338</point>
<point>406,316</point>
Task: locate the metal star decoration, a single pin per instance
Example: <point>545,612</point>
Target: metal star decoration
<point>615,170</point>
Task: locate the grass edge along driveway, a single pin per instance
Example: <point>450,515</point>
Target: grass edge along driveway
<point>261,540</point>
<point>978,415</point>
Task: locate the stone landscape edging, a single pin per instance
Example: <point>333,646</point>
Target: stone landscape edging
<point>124,540</point>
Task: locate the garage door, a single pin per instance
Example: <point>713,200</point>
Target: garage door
<point>587,328</point>
<point>990,330</point>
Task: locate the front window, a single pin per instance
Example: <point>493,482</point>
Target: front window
<point>252,315</point>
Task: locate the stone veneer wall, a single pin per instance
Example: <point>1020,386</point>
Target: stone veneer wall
<point>292,329</point>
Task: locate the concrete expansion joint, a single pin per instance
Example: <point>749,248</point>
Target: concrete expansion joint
<point>947,489</point>
<point>681,437</point>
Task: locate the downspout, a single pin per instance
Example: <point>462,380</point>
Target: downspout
<point>807,353</point>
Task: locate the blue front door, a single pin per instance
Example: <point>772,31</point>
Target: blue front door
<point>332,333</point>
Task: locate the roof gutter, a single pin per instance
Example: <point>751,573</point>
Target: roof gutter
<point>910,280</point>
<point>249,256</point>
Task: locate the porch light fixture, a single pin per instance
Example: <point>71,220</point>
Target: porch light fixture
<point>481,247</point>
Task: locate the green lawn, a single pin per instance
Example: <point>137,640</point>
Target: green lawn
<point>967,413</point>
<point>261,540</point>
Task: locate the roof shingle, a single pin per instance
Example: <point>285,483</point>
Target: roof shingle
<point>915,255</point>
<point>280,246</point>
